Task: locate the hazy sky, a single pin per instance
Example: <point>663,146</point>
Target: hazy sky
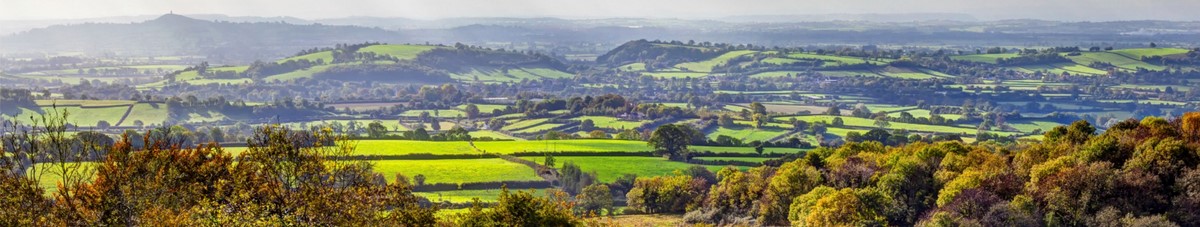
<point>1094,10</point>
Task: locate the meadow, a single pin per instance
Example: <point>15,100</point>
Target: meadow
<point>456,171</point>
<point>611,122</point>
<point>609,168</point>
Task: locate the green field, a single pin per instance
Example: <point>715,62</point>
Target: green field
<point>835,60</point>
<point>324,56</point>
<point>456,171</point>
<point>492,134</point>
<point>984,58</point>
<point>773,74</point>
<point>1138,53</point>
<point>667,75</point>
<point>1118,60</point>
<point>707,65</point>
<point>467,196</point>
<point>446,113</point>
<point>744,159</point>
<point>748,134</point>
<point>609,168</point>
<point>539,128</point>
<point>403,52</point>
<point>78,116</point>
<point>147,113</point>
<point>493,75</point>
<point>919,113</point>
<point>403,147</point>
<point>523,124</point>
<point>1060,68</point>
<point>633,67</point>
<point>483,108</point>
<point>611,122</point>
<point>303,73</point>
<point>83,103</point>
<point>869,123</point>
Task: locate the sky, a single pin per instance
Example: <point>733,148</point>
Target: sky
<point>1067,10</point>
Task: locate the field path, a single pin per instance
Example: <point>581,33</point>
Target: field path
<point>127,111</point>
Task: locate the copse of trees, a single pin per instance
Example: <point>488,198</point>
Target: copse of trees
<point>284,177</point>
<point>1136,173</point>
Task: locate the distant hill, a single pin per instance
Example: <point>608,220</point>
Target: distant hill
<point>647,51</point>
<point>400,63</point>
<point>173,34</point>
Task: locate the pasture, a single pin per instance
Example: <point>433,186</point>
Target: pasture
<point>609,168</point>
<point>456,171</point>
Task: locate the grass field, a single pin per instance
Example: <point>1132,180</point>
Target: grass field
<point>609,168</point>
<point>523,124</point>
<point>744,159</point>
<point>667,75</point>
<point>539,128</point>
<point>849,73</point>
<point>303,73</point>
<point>50,174</point>
<point>869,123</point>
<point>456,171</point>
<point>773,74</point>
<point>833,60</point>
<point>1074,69</point>
<point>80,117</point>
<point>403,147</point>
<point>324,56</point>
<point>147,113</point>
<point>611,122</point>
<point>919,113</point>
<point>492,134</point>
<point>633,67</point>
<point>1121,61</point>
<point>403,52</point>
<point>467,196</point>
<point>748,134</point>
<point>83,103</point>
<point>1138,53</point>
<point>446,113</point>
<point>483,108</point>
<point>707,65</point>
<point>984,58</point>
<point>494,75</point>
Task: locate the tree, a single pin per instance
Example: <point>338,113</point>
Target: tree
<point>629,134</point>
<point>217,135</point>
<point>594,199</point>
<point>758,108</point>
<point>838,122</point>
<point>418,134</point>
<point>800,125</point>
<point>587,125</point>
<point>522,208</point>
<point>471,110</point>
<point>419,180</point>
<point>725,121</point>
<point>548,161</point>
<point>833,110</point>
<point>102,124</point>
<point>671,140</point>
<point>882,121</point>
<point>376,129</point>
<point>598,134</point>
<point>759,120</point>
